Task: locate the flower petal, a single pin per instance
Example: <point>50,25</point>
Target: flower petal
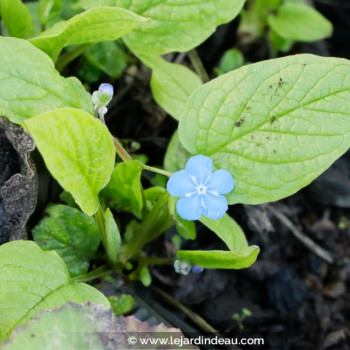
<point>200,167</point>
<point>215,206</point>
<point>180,184</point>
<point>189,208</point>
<point>221,181</point>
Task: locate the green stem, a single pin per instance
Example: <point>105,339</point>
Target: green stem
<point>70,56</point>
<point>155,261</point>
<point>122,153</point>
<point>156,170</point>
<point>99,272</point>
<point>125,156</point>
<point>198,65</point>
<point>96,113</point>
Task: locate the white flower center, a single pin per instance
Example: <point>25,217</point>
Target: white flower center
<point>201,189</point>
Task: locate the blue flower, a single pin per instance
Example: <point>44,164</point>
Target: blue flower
<point>200,189</point>
<point>197,269</point>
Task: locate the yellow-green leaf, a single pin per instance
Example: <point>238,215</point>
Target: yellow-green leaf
<point>95,25</point>
<point>16,18</point>
<point>32,280</point>
<point>178,25</point>
<point>78,150</point>
<point>297,21</point>
<point>275,125</point>
<point>30,85</point>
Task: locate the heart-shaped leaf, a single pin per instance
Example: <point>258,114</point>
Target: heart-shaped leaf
<point>30,85</point>
<point>174,25</point>
<point>78,150</point>
<point>92,26</point>
<point>90,326</point>
<point>171,84</point>
<point>300,22</point>
<point>275,125</point>
<point>72,234</point>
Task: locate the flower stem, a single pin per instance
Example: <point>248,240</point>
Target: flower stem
<point>122,153</point>
<point>156,170</point>
<point>125,156</point>
<point>99,272</point>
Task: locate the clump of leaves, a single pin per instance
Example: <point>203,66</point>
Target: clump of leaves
<point>254,124</point>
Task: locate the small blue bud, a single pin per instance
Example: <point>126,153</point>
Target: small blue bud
<point>106,89</point>
<point>197,269</point>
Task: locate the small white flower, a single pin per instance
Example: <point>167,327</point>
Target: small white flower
<point>182,267</point>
